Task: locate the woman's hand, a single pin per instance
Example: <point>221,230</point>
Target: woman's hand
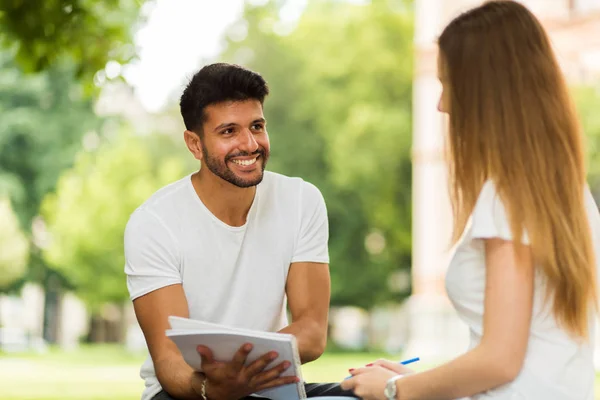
<point>398,368</point>
<point>368,383</point>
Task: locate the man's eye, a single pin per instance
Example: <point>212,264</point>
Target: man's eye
<point>257,127</point>
<point>228,131</point>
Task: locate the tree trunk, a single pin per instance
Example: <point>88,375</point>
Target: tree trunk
<point>123,323</point>
<point>97,332</point>
<point>52,297</point>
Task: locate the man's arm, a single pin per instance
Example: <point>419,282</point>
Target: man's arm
<point>308,291</point>
<point>154,282</point>
<point>152,311</point>
<point>224,381</point>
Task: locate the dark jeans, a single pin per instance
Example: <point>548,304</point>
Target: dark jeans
<point>312,390</point>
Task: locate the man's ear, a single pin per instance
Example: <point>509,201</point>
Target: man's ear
<point>194,143</point>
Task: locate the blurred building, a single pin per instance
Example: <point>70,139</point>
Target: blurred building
<point>574,28</point>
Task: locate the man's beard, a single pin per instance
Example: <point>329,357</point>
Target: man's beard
<point>221,169</point>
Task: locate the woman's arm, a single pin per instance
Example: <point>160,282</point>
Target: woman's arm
<point>499,357</point>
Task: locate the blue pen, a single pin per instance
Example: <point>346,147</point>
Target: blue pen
<point>412,360</point>
<point>405,362</point>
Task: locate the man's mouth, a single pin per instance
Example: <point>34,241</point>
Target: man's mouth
<point>246,162</point>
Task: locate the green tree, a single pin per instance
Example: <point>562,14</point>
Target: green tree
<point>51,51</point>
<point>14,246</point>
<point>339,115</point>
<point>88,33</point>
<point>587,100</point>
<point>44,118</point>
<point>87,214</point>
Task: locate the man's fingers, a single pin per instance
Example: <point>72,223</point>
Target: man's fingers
<point>270,375</point>
<point>260,364</point>
<point>206,355</point>
<point>284,380</point>
<point>240,356</point>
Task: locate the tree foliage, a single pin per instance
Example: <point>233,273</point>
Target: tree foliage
<point>44,118</point>
<point>339,115</point>
<point>87,214</point>
<point>587,100</point>
<point>14,246</point>
<point>87,33</point>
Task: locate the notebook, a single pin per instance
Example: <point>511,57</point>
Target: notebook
<point>224,341</point>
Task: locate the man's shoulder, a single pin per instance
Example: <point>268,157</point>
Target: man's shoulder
<point>281,184</point>
<point>165,201</point>
<point>292,192</point>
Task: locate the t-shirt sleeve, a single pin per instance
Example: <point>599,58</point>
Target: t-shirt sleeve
<point>312,241</point>
<point>151,255</point>
<point>489,219</point>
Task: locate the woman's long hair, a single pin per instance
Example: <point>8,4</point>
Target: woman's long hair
<point>511,120</point>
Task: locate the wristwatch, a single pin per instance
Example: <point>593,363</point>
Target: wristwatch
<point>390,388</point>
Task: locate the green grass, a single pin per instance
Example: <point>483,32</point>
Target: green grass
<point>94,373</point>
<point>333,367</point>
<point>110,373</point>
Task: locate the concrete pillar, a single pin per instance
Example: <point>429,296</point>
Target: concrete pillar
<point>429,309</point>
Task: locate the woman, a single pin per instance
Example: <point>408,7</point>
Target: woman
<point>523,276</point>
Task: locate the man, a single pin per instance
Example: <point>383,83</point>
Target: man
<point>229,244</point>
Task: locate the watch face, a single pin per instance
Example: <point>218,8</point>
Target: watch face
<point>390,390</point>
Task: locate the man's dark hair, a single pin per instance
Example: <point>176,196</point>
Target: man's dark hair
<point>216,83</point>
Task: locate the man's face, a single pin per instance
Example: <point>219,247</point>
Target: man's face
<point>235,143</point>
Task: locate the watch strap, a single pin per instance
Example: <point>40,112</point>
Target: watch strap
<point>390,387</point>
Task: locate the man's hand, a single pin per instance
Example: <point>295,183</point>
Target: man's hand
<point>232,380</point>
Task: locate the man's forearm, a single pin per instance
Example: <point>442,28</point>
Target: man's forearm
<point>175,377</point>
<point>311,337</point>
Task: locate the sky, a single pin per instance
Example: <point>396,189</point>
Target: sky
<point>179,36</point>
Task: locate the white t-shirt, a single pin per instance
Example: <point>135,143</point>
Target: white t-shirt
<point>556,367</point>
<point>230,275</point>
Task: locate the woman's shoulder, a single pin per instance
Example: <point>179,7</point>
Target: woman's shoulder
<point>490,218</point>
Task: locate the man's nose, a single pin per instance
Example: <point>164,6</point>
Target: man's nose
<point>248,142</point>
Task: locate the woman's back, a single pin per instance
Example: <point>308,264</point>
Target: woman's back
<point>556,365</point>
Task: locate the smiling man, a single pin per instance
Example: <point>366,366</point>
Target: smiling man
<point>230,244</point>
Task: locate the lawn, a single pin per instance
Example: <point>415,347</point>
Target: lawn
<point>109,373</point>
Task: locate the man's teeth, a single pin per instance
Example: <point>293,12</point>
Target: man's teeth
<point>245,162</point>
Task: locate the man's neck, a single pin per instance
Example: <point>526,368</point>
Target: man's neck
<point>226,201</point>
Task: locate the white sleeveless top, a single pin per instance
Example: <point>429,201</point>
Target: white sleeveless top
<point>556,367</point>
